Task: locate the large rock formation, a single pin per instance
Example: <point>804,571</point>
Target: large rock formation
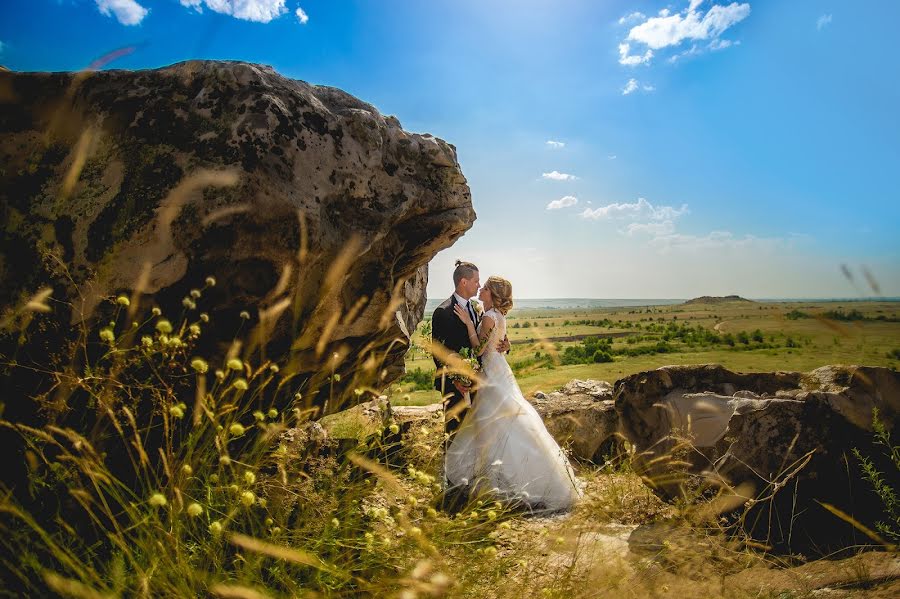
<point>582,417</point>
<point>783,440</point>
<point>314,212</point>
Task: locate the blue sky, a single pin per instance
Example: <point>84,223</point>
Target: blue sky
<point>702,147</point>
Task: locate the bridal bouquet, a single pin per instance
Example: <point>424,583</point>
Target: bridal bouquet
<point>471,360</point>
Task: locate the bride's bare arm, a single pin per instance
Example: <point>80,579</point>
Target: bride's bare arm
<point>478,338</point>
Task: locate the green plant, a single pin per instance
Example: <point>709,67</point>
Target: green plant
<point>883,483</point>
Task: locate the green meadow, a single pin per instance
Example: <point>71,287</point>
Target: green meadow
<point>744,336</point>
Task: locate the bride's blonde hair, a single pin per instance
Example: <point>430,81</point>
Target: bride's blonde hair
<point>501,293</point>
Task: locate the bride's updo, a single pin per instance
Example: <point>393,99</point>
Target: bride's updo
<point>501,293</point>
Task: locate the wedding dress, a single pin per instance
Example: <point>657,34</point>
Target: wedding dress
<point>503,447</point>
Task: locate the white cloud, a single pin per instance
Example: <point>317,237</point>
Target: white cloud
<point>823,22</point>
<point>259,11</point>
<point>611,157</point>
<point>655,229</point>
<point>715,240</point>
<point>640,210</point>
<point>692,25</point>
<point>302,17</point>
<point>632,18</point>
<point>558,176</point>
<point>563,202</point>
<point>720,44</point>
<point>660,32</point>
<point>556,144</point>
<point>631,60</point>
<point>633,85</point>
<point>127,12</point>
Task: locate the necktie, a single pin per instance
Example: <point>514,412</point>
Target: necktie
<point>471,313</point>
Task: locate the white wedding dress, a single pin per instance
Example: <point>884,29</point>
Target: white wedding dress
<point>503,447</point>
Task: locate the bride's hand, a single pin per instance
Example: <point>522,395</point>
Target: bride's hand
<point>464,316</point>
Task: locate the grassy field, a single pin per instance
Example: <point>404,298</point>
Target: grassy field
<point>795,336</point>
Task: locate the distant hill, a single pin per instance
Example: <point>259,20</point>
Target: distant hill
<point>709,299</point>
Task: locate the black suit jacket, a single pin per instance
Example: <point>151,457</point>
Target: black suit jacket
<point>448,330</point>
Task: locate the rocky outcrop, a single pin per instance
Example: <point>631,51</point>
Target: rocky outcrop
<point>314,213</point>
<point>582,417</point>
<point>784,440</point>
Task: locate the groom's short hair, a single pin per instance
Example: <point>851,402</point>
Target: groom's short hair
<point>464,270</point>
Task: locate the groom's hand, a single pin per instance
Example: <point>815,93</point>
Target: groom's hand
<point>503,346</point>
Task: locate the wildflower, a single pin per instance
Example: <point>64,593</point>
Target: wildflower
<point>262,502</point>
<point>415,531</point>
<point>204,317</point>
<point>200,365</point>
<point>106,334</point>
<point>249,477</point>
<point>406,398</point>
<point>394,428</point>
<point>559,540</point>
<point>369,537</point>
<point>274,368</point>
<point>194,510</point>
<point>412,500</point>
<point>276,530</point>
<point>244,315</point>
<point>492,515</point>
<point>337,378</point>
<point>216,528</point>
<point>273,413</point>
<point>214,478</point>
<point>269,522</point>
<point>224,460</point>
<point>176,412</point>
<point>490,551</point>
<point>164,326</point>
<point>187,469</point>
<point>241,384</point>
<point>234,489</point>
<point>156,311</point>
<point>234,364</point>
<point>248,498</point>
<point>220,374</point>
<point>158,500</point>
<point>189,303</point>
<point>259,415</point>
<point>175,342</point>
<point>505,525</point>
<point>123,300</point>
<point>432,513</point>
<point>298,396</point>
<point>195,293</point>
<point>210,281</point>
<point>335,522</point>
<point>147,341</point>
<point>236,429</point>
<point>357,392</point>
<point>194,329</point>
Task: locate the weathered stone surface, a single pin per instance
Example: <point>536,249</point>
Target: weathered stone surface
<point>582,417</point>
<point>156,179</point>
<point>787,433</point>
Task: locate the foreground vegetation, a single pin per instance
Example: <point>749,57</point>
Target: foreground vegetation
<point>158,472</point>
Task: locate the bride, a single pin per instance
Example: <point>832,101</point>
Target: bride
<point>502,446</point>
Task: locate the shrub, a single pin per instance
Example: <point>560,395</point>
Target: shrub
<point>602,356</point>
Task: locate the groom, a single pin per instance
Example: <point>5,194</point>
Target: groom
<point>448,330</point>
